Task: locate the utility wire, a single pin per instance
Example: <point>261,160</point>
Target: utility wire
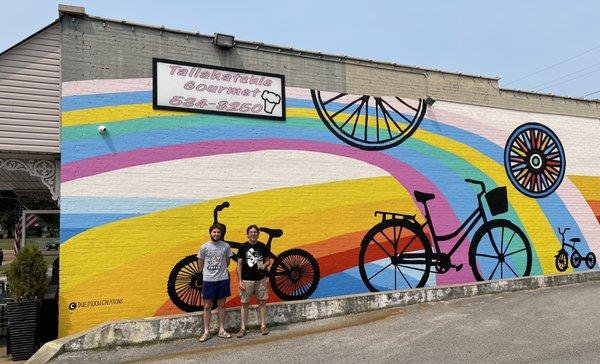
<point>553,65</point>
<point>591,93</point>
<point>567,75</point>
<point>569,80</point>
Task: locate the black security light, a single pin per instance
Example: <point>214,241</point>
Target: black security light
<point>429,101</point>
<point>223,40</point>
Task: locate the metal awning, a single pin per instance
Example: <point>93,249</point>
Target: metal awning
<point>37,174</point>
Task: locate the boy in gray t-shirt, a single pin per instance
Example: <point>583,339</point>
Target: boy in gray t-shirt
<point>213,258</point>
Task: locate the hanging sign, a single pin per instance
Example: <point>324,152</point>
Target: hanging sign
<point>218,90</point>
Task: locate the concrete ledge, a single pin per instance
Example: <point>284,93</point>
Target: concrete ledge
<point>140,331</point>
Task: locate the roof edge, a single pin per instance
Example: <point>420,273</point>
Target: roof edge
<point>29,37</point>
<point>278,48</point>
<point>517,91</point>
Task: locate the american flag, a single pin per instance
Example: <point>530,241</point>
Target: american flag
<point>29,221</point>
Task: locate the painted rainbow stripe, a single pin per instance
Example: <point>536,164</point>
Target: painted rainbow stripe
<point>435,159</point>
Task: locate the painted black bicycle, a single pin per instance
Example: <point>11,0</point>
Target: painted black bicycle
<point>396,253</point>
<point>561,259</point>
<point>294,274</point>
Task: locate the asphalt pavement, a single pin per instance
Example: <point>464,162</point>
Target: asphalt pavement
<point>550,325</point>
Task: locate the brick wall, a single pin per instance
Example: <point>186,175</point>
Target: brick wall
<point>136,201</point>
<point>101,49</point>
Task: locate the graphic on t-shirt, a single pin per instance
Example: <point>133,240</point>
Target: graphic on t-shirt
<point>253,257</point>
<point>214,263</point>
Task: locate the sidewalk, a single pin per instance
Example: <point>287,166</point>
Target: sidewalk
<point>556,324</point>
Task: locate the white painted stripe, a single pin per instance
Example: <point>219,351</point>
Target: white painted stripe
<point>205,178</point>
<point>579,136</point>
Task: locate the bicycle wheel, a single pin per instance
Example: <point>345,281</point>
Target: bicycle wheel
<point>534,160</point>
<point>499,249</point>
<point>575,259</point>
<point>590,260</point>
<point>185,285</point>
<point>295,275</point>
<point>561,261</point>
<point>366,122</point>
<point>394,254</point>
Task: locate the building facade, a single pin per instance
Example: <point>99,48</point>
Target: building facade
<point>348,158</point>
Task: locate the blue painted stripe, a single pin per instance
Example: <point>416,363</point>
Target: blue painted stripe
<point>73,224</point>
<point>70,103</point>
<point>88,220</point>
<point>121,205</point>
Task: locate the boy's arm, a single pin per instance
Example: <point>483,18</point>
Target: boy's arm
<point>201,259</point>
<point>239,274</point>
<point>269,260</point>
<point>229,255</point>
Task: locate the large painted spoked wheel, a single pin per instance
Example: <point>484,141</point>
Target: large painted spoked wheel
<point>295,275</point>
<point>367,122</point>
<point>534,160</point>
<point>499,250</point>
<point>394,254</point>
<point>185,285</point>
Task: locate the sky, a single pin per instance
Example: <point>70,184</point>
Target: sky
<point>546,46</point>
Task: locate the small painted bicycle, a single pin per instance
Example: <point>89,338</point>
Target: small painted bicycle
<point>294,274</point>
<point>561,259</point>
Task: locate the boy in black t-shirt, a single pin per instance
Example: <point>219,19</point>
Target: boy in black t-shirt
<point>253,265</point>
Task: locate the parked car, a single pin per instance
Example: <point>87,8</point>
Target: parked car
<point>52,246</point>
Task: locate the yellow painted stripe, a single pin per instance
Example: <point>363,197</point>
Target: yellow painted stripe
<point>109,114</point>
<point>588,185</point>
<point>153,268</point>
<point>306,214</point>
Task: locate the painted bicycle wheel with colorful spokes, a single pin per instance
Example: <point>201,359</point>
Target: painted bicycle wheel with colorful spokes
<point>534,160</point>
<point>294,275</point>
<point>185,285</point>
<point>367,122</point>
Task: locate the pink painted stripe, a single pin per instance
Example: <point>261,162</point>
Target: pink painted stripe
<point>410,178</point>
<point>91,87</point>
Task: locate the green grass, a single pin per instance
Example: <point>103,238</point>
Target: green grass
<point>6,244</point>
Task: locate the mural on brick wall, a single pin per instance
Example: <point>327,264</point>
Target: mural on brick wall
<point>357,194</point>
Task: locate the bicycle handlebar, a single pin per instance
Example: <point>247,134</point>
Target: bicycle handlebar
<point>563,232</point>
<point>476,182</point>
<point>219,208</point>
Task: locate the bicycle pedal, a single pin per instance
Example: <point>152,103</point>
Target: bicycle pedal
<point>457,267</point>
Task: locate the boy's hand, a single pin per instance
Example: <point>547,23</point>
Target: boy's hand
<point>242,286</point>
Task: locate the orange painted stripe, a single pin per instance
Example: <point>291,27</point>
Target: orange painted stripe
<point>595,205</point>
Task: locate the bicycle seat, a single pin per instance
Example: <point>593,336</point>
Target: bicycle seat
<point>575,240</point>
<point>275,233</point>
<point>423,197</point>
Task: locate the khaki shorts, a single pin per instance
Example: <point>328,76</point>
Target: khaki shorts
<point>258,288</point>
